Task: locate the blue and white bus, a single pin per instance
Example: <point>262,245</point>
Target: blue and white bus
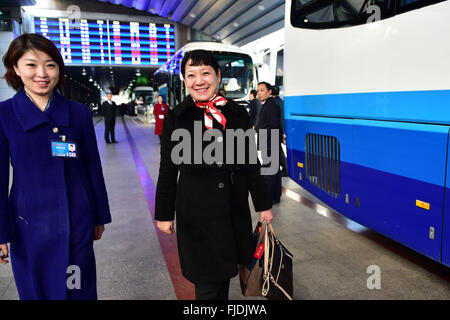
<point>367,109</point>
<point>237,69</point>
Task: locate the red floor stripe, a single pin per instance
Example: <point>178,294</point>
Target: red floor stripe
<point>184,289</point>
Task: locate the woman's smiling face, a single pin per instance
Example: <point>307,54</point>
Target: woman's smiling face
<point>201,81</point>
<point>38,71</point>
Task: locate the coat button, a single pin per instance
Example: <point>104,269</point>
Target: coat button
<point>221,185</point>
<point>55,130</point>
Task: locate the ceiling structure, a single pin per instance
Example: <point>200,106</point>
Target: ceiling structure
<point>235,22</point>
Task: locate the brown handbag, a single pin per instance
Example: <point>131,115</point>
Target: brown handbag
<point>269,274</point>
<point>251,275</point>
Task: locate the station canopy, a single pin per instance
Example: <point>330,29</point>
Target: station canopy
<point>235,22</point>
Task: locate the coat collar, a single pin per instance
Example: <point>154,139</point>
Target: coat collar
<point>30,116</point>
<point>189,104</point>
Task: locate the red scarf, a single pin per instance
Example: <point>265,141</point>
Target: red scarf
<point>211,111</point>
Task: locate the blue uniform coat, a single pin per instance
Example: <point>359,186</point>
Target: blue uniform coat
<point>49,215</point>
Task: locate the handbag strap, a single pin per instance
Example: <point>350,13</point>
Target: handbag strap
<point>269,236</point>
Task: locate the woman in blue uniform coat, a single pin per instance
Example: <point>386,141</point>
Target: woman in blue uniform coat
<point>57,204</point>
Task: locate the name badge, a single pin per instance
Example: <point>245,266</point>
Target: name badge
<point>161,116</point>
<point>162,108</point>
<point>64,149</point>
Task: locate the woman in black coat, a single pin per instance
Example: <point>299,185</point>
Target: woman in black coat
<point>214,227</point>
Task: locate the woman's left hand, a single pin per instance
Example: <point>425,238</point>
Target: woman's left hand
<point>266,215</point>
<point>98,231</point>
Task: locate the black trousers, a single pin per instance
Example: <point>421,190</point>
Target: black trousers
<point>273,183</point>
<point>110,123</point>
<point>283,162</point>
<point>212,291</point>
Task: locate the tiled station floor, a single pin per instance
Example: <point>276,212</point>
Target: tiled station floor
<point>331,254</point>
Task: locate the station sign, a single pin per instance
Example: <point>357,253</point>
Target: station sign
<point>109,42</point>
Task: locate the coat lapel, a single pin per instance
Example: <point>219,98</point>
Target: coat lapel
<point>31,117</point>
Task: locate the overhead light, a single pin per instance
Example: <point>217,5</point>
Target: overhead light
<point>260,7</point>
<point>138,73</point>
<point>235,24</point>
<point>90,79</point>
<point>192,15</point>
<point>83,72</point>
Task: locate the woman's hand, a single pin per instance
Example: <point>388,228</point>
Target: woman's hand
<point>165,226</point>
<point>98,231</point>
<point>266,215</point>
<point>4,249</point>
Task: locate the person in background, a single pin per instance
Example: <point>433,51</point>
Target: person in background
<point>280,103</point>
<point>254,107</point>
<point>214,225</point>
<point>57,205</point>
<point>160,110</point>
<point>109,112</point>
<point>269,119</point>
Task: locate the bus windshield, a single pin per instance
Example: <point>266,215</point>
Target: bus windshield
<point>144,96</point>
<point>237,74</point>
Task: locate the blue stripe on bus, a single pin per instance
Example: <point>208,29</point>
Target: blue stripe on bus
<point>411,150</point>
<point>386,203</point>
<point>410,106</point>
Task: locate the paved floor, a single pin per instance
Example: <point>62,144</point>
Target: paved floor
<point>331,254</point>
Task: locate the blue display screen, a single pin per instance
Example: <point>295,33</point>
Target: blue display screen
<point>109,42</point>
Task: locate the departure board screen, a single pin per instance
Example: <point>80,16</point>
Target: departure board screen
<point>87,41</point>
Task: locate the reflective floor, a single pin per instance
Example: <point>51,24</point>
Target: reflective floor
<point>334,257</point>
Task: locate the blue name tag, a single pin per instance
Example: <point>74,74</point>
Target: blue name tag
<point>64,149</point>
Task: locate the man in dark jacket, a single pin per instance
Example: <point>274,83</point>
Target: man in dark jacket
<point>254,107</point>
<point>280,103</point>
<point>269,119</point>
<point>109,111</point>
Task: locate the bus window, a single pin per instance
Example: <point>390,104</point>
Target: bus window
<point>407,5</point>
<point>237,74</point>
<point>324,14</point>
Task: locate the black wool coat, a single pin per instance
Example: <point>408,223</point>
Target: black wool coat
<point>269,118</point>
<point>213,221</point>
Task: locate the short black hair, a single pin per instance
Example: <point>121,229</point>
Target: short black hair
<point>22,44</point>
<point>253,92</point>
<point>275,90</point>
<point>268,86</point>
<point>198,58</point>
